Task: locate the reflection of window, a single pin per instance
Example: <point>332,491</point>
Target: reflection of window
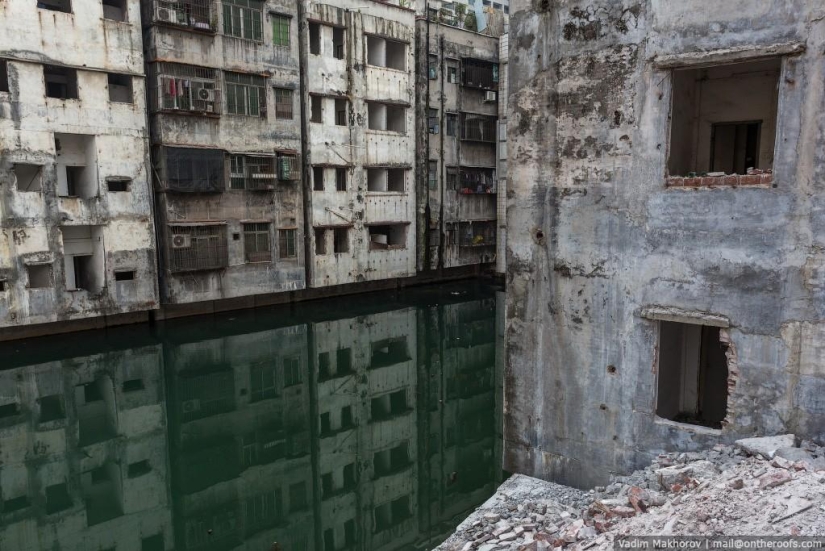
<point>297,496</point>
<point>243,19</point>
<point>262,383</point>
<point>292,371</point>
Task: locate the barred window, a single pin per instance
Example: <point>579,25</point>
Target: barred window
<point>280,30</point>
<point>292,371</point>
<point>245,94</point>
<point>283,103</point>
<point>256,243</point>
<point>197,247</point>
<point>187,88</point>
<point>252,173</point>
<point>192,170</point>
<point>243,19</point>
<point>287,244</point>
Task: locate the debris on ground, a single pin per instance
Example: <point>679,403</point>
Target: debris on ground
<point>759,486</point>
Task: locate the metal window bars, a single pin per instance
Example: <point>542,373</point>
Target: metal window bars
<point>192,170</point>
<point>283,103</point>
<point>194,247</point>
<point>243,19</point>
<point>287,247</point>
<point>477,180</point>
<point>479,74</point>
<point>187,88</point>
<point>289,167</point>
<point>194,14</point>
<point>256,242</point>
<point>478,128</point>
<point>252,173</point>
<point>245,94</point>
<point>477,234</point>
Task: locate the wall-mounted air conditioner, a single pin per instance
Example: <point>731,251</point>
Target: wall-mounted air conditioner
<point>489,97</point>
<point>181,241</point>
<point>166,15</point>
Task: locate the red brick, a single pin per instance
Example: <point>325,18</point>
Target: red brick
<point>750,179</point>
<point>709,181</point>
<point>674,181</point>
<point>692,182</point>
<point>731,180</point>
<point>767,179</point>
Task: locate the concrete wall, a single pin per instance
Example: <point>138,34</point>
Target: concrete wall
<point>599,248</point>
<point>113,140</point>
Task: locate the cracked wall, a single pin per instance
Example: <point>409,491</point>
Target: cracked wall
<point>595,235</point>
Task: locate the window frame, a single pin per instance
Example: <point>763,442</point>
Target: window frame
<point>280,104</point>
<point>260,233</point>
<point>239,89</point>
<point>287,241</point>
<point>282,33</point>
<point>237,9</point>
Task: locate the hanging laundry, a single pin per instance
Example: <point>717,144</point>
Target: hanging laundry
<point>172,87</point>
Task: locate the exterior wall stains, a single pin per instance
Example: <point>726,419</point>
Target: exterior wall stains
<point>73,161</point>
<point>595,235</point>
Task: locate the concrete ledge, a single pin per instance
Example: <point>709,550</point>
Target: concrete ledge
<point>727,55</point>
<point>668,313</point>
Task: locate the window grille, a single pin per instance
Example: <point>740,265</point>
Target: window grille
<point>287,247</point>
<point>478,128</point>
<point>292,371</point>
<point>432,174</point>
<point>452,125</point>
<point>480,74</point>
<point>245,94</point>
<point>477,234</point>
<point>280,30</point>
<point>243,19</point>
<point>194,247</point>
<point>283,103</point>
<point>478,180</point>
<point>187,88</point>
<point>195,14</point>
<point>432,121</point>
<point>256,243</point>
<point>193,170</point>
<point>289,168</point>
<point>252,173</point>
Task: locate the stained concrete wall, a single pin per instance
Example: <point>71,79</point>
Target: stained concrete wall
<point>83,41</point>
<point>355,147</point>
<point>595,236</point>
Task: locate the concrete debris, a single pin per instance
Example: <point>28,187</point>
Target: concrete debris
<point>778,492</point>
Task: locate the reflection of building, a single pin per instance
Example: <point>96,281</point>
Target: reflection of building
<point>240,441</point>
<point>366,382</point>
<point>83,460</point>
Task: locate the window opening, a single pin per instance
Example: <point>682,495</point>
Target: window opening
<point>314,39</point>
<point>115,10</point>
<point>340,179</point>
<point>256,243</point>
<point>283,103</point>
<point>29,177</point>
<point>287,244</point>
<point>125,276</point>
<point>40,275</point>
<point>693,374</point>
<point>120,88</point>
<point>197,247</point>
<point>195,14</point>
<point>187,88</point>
<point>243,19</point>
<point>316,109</point>
<point>320,241</point>
<point>61,82</point>
<point>251,173</point>
<point>318,178</point>
<point>119,185</point>
<point>341,241</point>
<point>391,236</point>
<point>338,43</point>
<point>432,121</point>
<point>193,170</point>
<point>341,112</point>
<point>64,6</point>
<point>280,30</point>
<point>4,75</point>
<point>245,94</point>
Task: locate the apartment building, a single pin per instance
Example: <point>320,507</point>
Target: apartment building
<point>225,121</point>
<point>461,141</point>
<point>77,239</point>
<point>84,458</point>
<point>665,239</point>
<point>359,143</point>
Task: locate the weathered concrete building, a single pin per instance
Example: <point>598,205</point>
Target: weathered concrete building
<point>459,134</point>
<point>360,145</point>
<point>665,232</point>
<point>226,133</point>
<point>77,239</point>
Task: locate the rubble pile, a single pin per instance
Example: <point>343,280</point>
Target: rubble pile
<point>760,486</point>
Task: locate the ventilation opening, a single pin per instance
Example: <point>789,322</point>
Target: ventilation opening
<point>29,177</point>
<point>61,82</point>
<point>125,276</point>
<point>723,119</point>
<point>693,375</point>
<point>120,88</point>
<point>115,10</point>
<point>119,186</point>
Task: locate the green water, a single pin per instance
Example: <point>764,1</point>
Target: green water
<point>368,423</point>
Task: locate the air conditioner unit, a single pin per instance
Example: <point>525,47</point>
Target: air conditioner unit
<point>167,15</point>
<point>181,241</point>
<point>191,406</point>
<point>489,97</point>
<point>205,94</point>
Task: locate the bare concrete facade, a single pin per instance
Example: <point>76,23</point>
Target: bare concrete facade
<point>459,133</point>
<point>225,122</point>
<point>360,141</point>
<point>664,230</point>
<point>77,237</point>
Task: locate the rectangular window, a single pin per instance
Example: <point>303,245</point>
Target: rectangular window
<point>289,167</point>
<point>314,38</point>
<point>120,88</point>
<point>432,174</point>
<point>341,112</point>
<point>245,94</point>
<point>432,67</point>
<point>287,244</point>
<point>452,179</point>
<point>29,177</point>
<point>197,247</point>
<point>196,14</point>
<point>480,74</point>
<point>125,276</point>
<point>262,383</point>
<point>61,82</point>
<point>340,179</point>
<point>383,52</point>
<point>40,276</point>
<point>193,170</point>
<point>338,43</point>
<point>693,374</point>
<point>118,185</point>
<point>390,236</point>
<point>318,178</point>
<point>341,242</point>
<point>297,497</point>
<point>452,124</point>
<point>187,88</point>
<point>256,243</point>
<point>320,241</point>
<point>243,19</point>
<point>280,29</point>
<point>252,173</point>
<point>292,371</point>
<point>396,178</point>
<point>283,104</point>
<point>4,75</point>
<point>478,128</point>
<point>734,107</point>
<point>316,107</point>
<point>64,6</point>
<point>432,121</point>
<point>452,74</point>
<point>115,10</point>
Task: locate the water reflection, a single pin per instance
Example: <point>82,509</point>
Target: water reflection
<point>332,426</point>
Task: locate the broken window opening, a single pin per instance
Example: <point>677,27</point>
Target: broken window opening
<point>316,106</point>
<point>318,178</point>
<point>391,514</point>
<point>478,128</point>
<point>283,104</point>
<point>389,405</point>
<point>390,461</point>
<point>723,119</point>
<point>197,247</point>
<point>432,121</point>
<point>389,236</point>
<point>287,244</point>
<point>76,165</point>
<point>187,88</point>
<point>243,19</point>
<point>340,179</point>
<point>383,52</point>
<point>320,241</point>
<point>477,234</point>
<point>480,74</point>
<point>119,185</point>
<point>338,43</point>
<point>191,170</point>
<point>252,173</point>
<point>256,243</point>
<point>115,10</point>
<point>64,6</point>
<point>386,180</point>
<point>195,14</point>
<point>341,240</point>
<point>389,352</point>
<point>61,82</point>
<point>245,94</point>
<point>51,408</point>
<point>478,180</point>
<point>83,258</point>
<point>4,285</point>
<point>29,177</point>
<point>120,88</point>
<point>4,75</point>
<point>693,374</point>
<point>314,38</point>
<point>40,276</point>
<point>386,116</point>
<point>341,112</point>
